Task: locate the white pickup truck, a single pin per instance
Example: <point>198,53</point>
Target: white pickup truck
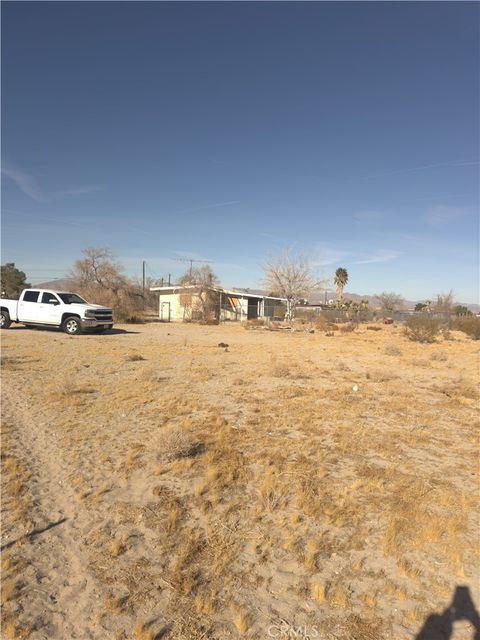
<point>42,307</point>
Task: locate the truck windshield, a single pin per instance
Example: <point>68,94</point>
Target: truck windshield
<point>71,298</point>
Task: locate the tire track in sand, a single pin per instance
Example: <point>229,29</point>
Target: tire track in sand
<point>59,597</point>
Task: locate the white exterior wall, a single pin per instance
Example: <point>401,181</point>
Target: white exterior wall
<point>226,314</point>
<point>244,308</point>
<point>239,313</point>
<point>169,307</point>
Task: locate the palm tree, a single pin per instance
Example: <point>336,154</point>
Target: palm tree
<point>340,280</point>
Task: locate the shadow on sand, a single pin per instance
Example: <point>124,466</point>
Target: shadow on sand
<point>439,626</point>
<point>34,533</point>
<point>114,332</point>
<point>109,332</point>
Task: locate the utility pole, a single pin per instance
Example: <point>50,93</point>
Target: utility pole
<point>143,284</point>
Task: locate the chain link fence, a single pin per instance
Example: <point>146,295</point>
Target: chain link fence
<point>307,314</point>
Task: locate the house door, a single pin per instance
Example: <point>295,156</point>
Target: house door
<point>165,311</point>
<point>252,309</point>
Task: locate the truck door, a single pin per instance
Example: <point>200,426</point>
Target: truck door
<point>28,306</point>
<point>49,309</point>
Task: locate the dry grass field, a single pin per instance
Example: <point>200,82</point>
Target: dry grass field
<point>157,485</point>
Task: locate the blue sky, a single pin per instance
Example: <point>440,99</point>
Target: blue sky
<point>227,131</point>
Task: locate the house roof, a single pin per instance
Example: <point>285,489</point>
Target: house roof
<point>237,293</point>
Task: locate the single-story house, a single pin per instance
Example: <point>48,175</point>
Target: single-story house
<point>191,302</point>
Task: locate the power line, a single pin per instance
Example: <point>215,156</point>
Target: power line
<point>156,276</point>
<point>152,271</point>
<point>192,260</point>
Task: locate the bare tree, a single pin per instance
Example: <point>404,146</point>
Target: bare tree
<point>99,268</point>
<point>100,279</point>
<point>390,301</point>
<point>290,276</point>
<point>444,303</point>
<point>203,296</point>
<point>150,298</point>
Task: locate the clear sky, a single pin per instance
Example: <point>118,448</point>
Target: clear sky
<point>226,131</point>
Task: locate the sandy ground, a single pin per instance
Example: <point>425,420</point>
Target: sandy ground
<point>157,485</point>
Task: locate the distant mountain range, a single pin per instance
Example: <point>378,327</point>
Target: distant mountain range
<point>67,284</point>
<point>60,284</point>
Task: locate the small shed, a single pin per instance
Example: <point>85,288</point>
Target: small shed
<point>191,302</point>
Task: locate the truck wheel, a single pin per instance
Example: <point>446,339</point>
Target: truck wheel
<point>72,326</point>
<point>5,321</point>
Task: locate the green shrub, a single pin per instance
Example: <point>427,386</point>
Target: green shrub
<point>462,310</point>
<point>422,328</point>
<point>469,325</point>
